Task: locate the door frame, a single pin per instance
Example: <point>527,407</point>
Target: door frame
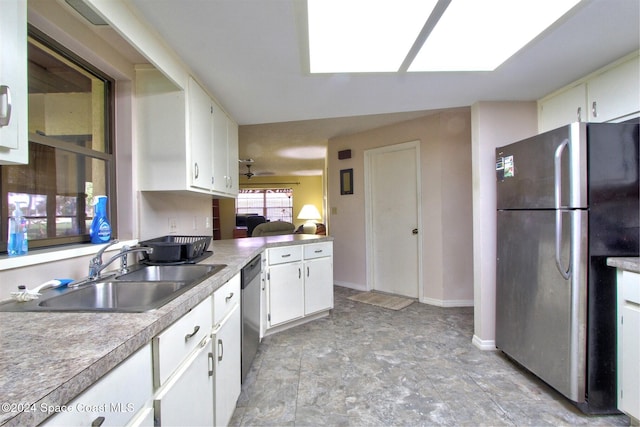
<point>368,190</point>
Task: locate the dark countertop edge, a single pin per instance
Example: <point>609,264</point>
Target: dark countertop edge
<point>65,392</point>
<point>625,263</point>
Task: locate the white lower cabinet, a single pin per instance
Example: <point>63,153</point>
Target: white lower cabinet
<point>183,370</point>
<point>187,398</point>
<point>116,399</point>
<point>629,343</point>
<point>299,282</point>
<point>286,293</point>
<point>227,346</point>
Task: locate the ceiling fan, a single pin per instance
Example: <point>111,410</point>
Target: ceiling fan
<point>248,174</point>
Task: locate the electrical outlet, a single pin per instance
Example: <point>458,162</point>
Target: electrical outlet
<point>173,225</point>
<point>195,222</point>
<point>207,222</point>
<point>334,211</point>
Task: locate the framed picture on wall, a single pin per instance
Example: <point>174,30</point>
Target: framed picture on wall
<point>346,181</point>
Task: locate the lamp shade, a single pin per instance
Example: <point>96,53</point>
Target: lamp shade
<point>309,212</point>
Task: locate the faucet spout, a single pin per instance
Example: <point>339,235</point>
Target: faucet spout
<point>95,265</point>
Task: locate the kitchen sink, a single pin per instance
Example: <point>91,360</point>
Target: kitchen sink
<point>116,296</point>
<point>143,289</point>
<point>170,273</point>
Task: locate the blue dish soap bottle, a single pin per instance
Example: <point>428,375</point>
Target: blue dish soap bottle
<point>100,231</point>
<point>18,243</point>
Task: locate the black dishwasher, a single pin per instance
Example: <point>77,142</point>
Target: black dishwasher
<point>250,309</point>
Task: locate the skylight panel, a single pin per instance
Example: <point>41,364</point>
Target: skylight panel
<point>475,35</point>
<point>353,36</point>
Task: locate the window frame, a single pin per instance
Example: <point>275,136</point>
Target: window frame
<point>264,192</point>
<point>108,156</point>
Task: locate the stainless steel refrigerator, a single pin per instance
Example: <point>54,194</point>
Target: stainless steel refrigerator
<point>566,200</point>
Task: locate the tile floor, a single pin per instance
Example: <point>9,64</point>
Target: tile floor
<point>369,366</point>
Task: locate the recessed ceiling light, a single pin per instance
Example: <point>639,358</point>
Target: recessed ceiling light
<point>477,35</point>
<point>351,36</point>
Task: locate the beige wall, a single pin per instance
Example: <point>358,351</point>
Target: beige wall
<point>445,149</point>
<point>494,124</point>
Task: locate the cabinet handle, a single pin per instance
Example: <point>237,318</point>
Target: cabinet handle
<point>594,109</point>
<point>192,334</point>
<point>299,273</point>
<point>285,255</point>
<point>97,422</point>
<point>579,113</point>
<point>211,363</point>
<point>220,350</point>
<point>307,271</point>
<point>228,297</point>
<point>5,105</point>
<point>196,170</point>
<point>318,251</point>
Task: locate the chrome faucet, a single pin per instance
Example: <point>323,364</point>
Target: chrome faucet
<point>96,266</point>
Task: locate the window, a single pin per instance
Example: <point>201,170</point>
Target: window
<point>275,204</point>
<point>70,149</point>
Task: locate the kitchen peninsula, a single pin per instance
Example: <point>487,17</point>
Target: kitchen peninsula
<point>47,359</point>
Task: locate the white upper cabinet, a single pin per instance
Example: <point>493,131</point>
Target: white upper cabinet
<point>564,108</point>
<point>615,94</point>
<point>14,141</point>
<point>225,153</point>
<point>609,95</point>
<point>184,143</point>
<point>200,136</point>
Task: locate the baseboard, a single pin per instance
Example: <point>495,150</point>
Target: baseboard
<point>355,286</point>
<point>447,303</point>
<point>487,345</point>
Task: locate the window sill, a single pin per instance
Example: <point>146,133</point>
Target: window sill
<point>43,256</point>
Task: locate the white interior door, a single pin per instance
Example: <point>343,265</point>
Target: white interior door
<point>393,205</point>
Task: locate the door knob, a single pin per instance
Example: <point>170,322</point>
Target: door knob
<point>414,231</point>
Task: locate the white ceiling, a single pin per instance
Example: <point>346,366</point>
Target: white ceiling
<point>252,56</point>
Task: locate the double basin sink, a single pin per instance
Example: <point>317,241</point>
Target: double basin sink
<point>144,288</point>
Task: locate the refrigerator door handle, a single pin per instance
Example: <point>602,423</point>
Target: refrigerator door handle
<point>557,184</point>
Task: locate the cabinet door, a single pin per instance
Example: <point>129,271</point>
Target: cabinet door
<point>629,343</point>
<point>14,144</point>
<point>200,135</point>
<point>232,153</point>
<point>286,293</point>
<point>614,93</point>
<point>564,108</point>
<point>318,285</point>
<point>187,399</point>
<point>220,155</point>
<point>227,346</point>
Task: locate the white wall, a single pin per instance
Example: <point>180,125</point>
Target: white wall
<point>493,124</point>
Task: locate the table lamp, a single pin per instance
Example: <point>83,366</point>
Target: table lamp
<point>310,214</point>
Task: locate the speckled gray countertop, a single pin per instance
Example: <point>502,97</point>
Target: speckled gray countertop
<point>625,263</point>
<point>50,358</point>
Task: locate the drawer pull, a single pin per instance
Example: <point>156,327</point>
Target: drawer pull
<point>229,297</point>
<point>318,251</point>
<point>220,350</point>
<point>97,422</point>
<point>192,334</point>
<point>211,363</point>
<point>285,255</point>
